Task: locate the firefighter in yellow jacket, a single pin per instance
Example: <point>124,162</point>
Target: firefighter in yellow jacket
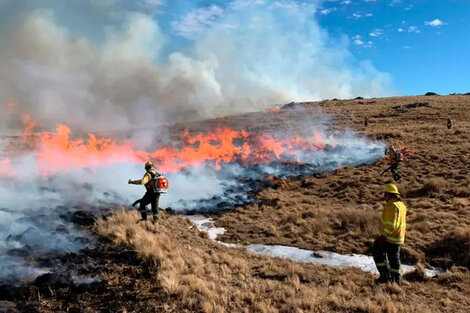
<point>392,229</point>
<point>151,197</point>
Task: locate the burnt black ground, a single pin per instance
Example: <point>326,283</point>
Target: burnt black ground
<point>63,284</point>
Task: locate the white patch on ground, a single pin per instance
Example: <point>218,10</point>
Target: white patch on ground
<point>205,224</point>
<point>363,262</point>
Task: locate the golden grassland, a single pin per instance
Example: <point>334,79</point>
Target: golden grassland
<point>181,270</point>
<point>198,275</point>
<point>340,211</point>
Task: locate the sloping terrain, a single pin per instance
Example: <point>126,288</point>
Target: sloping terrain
<point>172,267</point>
<point>176,268</point>
<point>340,211</point>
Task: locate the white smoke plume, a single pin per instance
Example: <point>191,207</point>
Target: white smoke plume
<point>36,211</point>
<point>113,64</point>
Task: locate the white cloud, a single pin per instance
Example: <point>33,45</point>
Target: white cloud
<point>359,15</point>
<point>413,29</point>
<point>376,32</point>
<point>346,2</point>
<point>395,2</point>
<point>327,11</point>
<point>434,23</point>
<point>409,7</point>
<point>295,6</point>
<point>358,42</point>
<point>197,21</point>
<point>400,30</point>
<point>406,47</point>
<point>240,4</point>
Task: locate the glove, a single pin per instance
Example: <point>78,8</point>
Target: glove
<point>129,181</point>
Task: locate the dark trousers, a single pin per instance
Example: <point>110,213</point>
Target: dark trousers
<point>387,260</point>
<point>394,170</point>
<point>151,198</point>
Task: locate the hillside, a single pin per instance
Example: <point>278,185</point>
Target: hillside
<point>340,211</point>
<point>173,267</point>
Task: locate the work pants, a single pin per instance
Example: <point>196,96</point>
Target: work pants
<point>387,260</point>
<point>394,169</point>
<point>152,198</point>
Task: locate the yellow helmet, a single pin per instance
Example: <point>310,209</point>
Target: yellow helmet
<point>148,164</point>
<point>391,188</point>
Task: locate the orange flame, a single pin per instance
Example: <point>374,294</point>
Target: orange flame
<point>56,151</point>
<point>221,146</point>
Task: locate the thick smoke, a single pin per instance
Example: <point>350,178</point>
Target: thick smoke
<point>132,64</point>
<point>114,65</point>
<point>37,211</point>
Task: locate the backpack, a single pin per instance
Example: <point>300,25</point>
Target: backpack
<point>399,156</point>
<point>160,183</point>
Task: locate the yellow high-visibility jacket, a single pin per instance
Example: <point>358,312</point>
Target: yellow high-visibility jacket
<point>146,180</point>
<point>393,225</point>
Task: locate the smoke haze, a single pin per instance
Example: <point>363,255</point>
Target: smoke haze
<point>110,65</point>
<point>37,210</point>
<point>113,64</point>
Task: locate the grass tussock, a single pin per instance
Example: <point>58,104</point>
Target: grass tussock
<point>340,211</point>
<point>305,224</point>
<point>434,185</point>
<point>384,135</point>
<point>454,248</point>
<point>431,188</point>
<point>202,276</point>
<point>337,211</point>
<point>209,280</point>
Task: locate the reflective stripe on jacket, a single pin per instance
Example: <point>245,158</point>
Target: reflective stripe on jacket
<point>393,225</point>
<point>147,179</point>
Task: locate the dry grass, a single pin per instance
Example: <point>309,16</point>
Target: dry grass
<point>203,276</point>
<point>454,248</point>
<point>340,211</point>
<point>211,280</point>
<point>183,271</point>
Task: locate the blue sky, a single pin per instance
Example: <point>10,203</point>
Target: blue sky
<point>423,44</point>
<point>177,60</point>
<point>421,55</point>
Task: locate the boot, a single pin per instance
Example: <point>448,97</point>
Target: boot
<point>396,177</point>
<point>384,277</point>
<point>396,278</point>
<point>144,216</point>
<point>155,219</point>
